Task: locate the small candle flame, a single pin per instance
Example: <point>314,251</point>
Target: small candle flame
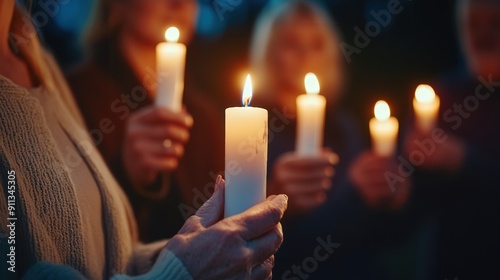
<point>311,83</point>
<point>172,34</point>
<point>247,92</point>
<point>425,94</point>
<point>382,110</point>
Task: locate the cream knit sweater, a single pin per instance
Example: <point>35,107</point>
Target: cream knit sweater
<point>49,231</point>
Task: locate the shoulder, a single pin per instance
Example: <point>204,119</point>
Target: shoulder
<point>14,98</point>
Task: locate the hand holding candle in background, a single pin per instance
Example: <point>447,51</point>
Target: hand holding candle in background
<point>368,173</point>
<point>426,105</point>
<point>155,135</point>
<point>442,151</point>
<point>306,174</point>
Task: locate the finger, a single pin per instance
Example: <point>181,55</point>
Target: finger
<point>265,246</point>
<point>157,149</point>
<point>159,131</point>
<point>161,163</point>
<point>264,270</point>
<point>290,176</point>
<point>154,114</point>
<point>307,188</point>
<point>306,163</point>
<point>261,218</point>
<point>211,211</point>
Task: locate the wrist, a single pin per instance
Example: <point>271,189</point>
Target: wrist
<point>168,266</point>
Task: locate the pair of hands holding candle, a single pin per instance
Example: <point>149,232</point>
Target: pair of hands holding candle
<point>442,151</point>
<point>238,247</point>
<point>154,142</point>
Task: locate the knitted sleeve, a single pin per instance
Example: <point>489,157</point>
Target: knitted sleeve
<point>167,267</point>
<point>50,271</point>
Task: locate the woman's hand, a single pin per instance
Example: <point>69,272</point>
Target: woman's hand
<point>369,173</point>
<point>154,142</point>
<point>238,247</point>
<point>306,180</point>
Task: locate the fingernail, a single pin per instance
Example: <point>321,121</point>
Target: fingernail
<point>333,159</point>
<point>189,121</point>
<point>286,197</point>
<point>217,181</point>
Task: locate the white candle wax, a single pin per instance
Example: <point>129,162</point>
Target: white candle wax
<point>310,118</point>
<point>426,105</point>
<point>384,130</point>
<point>170,64</point>
<point>246,157</point>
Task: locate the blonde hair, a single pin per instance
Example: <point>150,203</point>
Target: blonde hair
<point>24,41</point>
<point>265,29</point>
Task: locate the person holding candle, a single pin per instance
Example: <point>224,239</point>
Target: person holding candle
<point>329,192</point>
<point>67,216</point>
<point>164,155</point>
<point>456,179</point>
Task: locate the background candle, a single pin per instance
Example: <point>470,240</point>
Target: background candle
<point>426,106</point>
<point>246,155</point>
<point>170,64</point>
<point>383,130</point>
<point>310,118</point>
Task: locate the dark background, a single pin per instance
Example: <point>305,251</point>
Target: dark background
<point>419,45</point>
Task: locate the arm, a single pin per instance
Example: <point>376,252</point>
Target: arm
<point>207,247</point>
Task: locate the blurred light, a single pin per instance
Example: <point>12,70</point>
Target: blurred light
<point>382,110</point>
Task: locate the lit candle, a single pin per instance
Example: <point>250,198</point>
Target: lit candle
<point>310,118</point>
<point>383,130</point>
<point>426,106</point>
<point>170,63</point>
<point>246,155</point>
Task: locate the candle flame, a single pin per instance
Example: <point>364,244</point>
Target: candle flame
<point>172,34</point>
<point>312,84</point>
<point>382,110</point>
<point>425,94</point>
<point>247,91</point>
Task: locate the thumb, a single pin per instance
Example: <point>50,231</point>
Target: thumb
<point>211,211</point>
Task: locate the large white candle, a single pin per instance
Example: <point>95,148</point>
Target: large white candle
<point>246,155</point>
<point>426,105</point>
<point>170,64</point>
<point>310,118</point>
<point>384,130</point>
